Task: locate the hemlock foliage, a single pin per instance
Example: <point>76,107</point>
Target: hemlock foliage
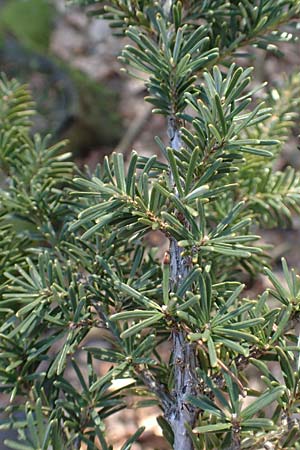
<point>74,260</point>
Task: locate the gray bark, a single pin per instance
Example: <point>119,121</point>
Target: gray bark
<point>184,353</point>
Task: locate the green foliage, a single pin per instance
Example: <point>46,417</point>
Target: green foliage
<point>75,263</point>
<point>30,21</point>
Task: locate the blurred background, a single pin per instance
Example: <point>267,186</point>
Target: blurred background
<point>70,62</point>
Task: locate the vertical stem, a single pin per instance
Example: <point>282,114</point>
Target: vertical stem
<point>180,413</point>
<point>77,443</point>
<point>184,353</point>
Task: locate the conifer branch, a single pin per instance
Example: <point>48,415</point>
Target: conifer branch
<point>74,258</point>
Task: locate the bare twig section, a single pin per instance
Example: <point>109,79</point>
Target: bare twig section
<point>185,384</point>
<point>184,353</point>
